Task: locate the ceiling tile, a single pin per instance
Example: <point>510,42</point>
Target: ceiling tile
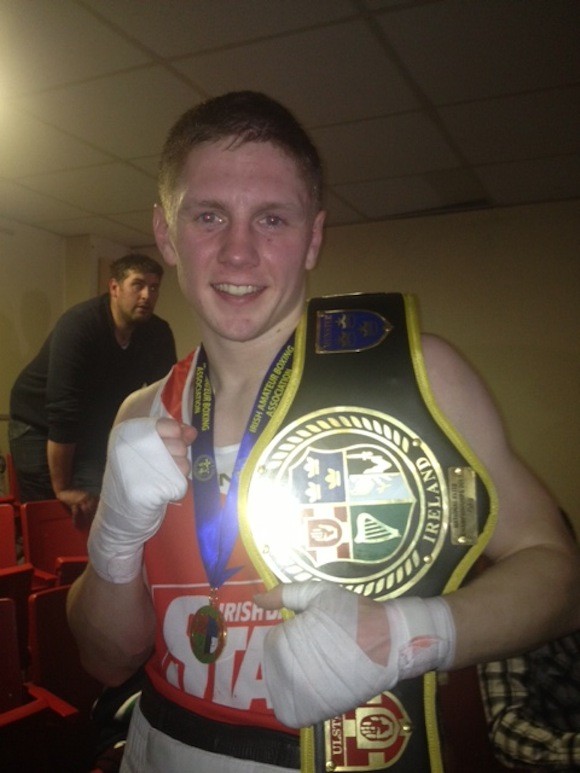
<point>29,146</point>
<point>384,147</point>
<point>149,164</point>
<point>379,199</point>
<point>456,187</point>
<point>459,50</point>
<point>338,212</point>
<point>175,28</point>
<point>127,114</point>
<point>100,190</point>
<point>337,73</point>
<point>512,128</point>
<point>61,42</point>
<point>535,180</point>
<point>141,221</point>
<point>28,206</point>
<point>96,226</point>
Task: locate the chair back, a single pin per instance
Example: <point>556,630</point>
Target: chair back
<point>11,687</point>
<point>48,533</point>
<point>54,657</point>
<point>7,535</point>
<point>15,584</point>
<point>11,479</point>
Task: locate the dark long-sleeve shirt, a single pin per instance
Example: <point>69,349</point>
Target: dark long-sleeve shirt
<point>74,386</point>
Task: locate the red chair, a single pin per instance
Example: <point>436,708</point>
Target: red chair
<point>68,568</point>
<point>54,658</point>
<point>7,535</point>
<point>13,487</point>
<point>11,686</point>
<point>49,534</point>
<point>15,584</point>
<point>13,493</point>
<point>38,730</point>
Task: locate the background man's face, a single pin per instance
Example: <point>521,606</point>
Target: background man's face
<point>135,297</point>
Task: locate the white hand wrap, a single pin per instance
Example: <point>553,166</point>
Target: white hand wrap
<point>314,668</point>
<point>140,479</point>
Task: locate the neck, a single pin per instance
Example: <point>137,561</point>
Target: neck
<point>236,372</point>
<point>123,328</point>
<point>236,366</point>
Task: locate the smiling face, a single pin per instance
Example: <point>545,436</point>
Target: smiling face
<point>245,234</point>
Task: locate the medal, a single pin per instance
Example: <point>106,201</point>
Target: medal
<point>207,631</point>
<point>216,521</point>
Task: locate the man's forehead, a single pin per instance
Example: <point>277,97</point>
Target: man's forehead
<point>141,276</point>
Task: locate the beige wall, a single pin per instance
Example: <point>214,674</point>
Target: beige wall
<point>503,285</point>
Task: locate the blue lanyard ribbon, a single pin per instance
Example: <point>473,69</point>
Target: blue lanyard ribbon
<point>217,524</point>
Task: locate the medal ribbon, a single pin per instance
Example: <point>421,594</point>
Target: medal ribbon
<point>217,524</point>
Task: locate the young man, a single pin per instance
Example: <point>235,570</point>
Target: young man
<point>63,404</point>
<point>241,218</point>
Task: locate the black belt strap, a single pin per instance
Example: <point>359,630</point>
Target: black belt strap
<point>243,742</point>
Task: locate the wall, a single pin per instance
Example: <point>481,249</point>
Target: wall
<point>31,299</point>
<point>503,285</point>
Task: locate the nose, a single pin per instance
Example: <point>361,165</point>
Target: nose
<point>239,246</point>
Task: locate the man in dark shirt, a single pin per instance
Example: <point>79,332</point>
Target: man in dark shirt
<point>63,403</point>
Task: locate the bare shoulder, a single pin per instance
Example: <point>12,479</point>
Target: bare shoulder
<point>460,392</point>
<point>138,404</point>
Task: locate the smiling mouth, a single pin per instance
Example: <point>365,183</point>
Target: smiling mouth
<point>238,290</point>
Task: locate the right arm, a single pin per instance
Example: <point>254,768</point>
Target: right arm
<point>109,606</point>
<point>82,505</point>
<point>68,379</point>
<point>114,625</point>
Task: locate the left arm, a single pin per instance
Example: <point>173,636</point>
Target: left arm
<point>532,591</point>
<point>530,594</point>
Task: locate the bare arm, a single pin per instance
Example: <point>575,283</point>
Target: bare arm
<point>61,465</point>
<point>114,625</point>
<point>114,622</point>
<point>532,591</point>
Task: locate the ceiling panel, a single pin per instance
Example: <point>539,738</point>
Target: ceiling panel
<point>330,75</point>
<point>101,189</point>
<point>126,114</point>
<point>417,106</point>
<point>383,147</point>
<point>175,28</point>
<point>45,43</point>
<point>512,128</point>
<point>28,206</point>
<point>30,146</point>
<point>475,50</point>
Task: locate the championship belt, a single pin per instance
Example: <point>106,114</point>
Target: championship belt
<point>359,480</point>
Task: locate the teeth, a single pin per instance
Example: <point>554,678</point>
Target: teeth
<point>236,289</point>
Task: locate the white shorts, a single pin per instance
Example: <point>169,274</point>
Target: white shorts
<point>148,750</point>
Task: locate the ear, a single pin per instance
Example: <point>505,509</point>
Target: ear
<point>315,241</point>
<point>113,287</point>
<point>163,238</point>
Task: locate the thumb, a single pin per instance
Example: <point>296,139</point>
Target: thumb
<point>295,596</point>
<point>272,599</point>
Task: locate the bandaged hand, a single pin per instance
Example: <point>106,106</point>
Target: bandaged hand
<point>342,649</point>
<point>147,461</point>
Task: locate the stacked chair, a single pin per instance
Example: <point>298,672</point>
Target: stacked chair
<point>45,694</point>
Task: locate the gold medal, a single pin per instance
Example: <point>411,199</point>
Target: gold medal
<point>207,631</point>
